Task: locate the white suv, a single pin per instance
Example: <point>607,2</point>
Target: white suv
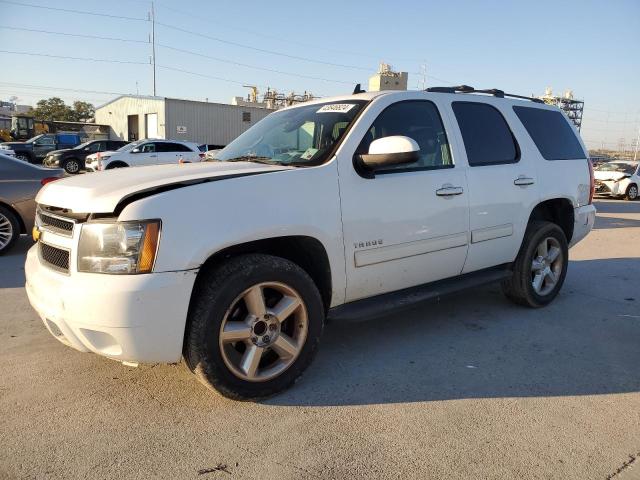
<point>145,152</point>
<point>343,207</point>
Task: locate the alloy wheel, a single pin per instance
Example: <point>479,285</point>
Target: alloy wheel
<point>546,266</point>
<point>633,192</point>
<point>6,231</point>
<point>72,166</point>
<point>263,331</point>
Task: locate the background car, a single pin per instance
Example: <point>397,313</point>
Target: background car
<point>618,178</point>
<point>36,148</point>
<point>146,152</point>
<point>72,160</point>
<point>20,184</point>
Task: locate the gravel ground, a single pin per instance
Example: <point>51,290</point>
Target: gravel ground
<point>471,387</point>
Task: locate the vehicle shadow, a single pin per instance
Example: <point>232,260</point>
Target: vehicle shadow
<point>12,263</point>
<point>617,206</point>
<point>614,222</point>
<point>476,344</point>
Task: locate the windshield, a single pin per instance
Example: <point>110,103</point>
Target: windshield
<point>301,136</point>
<point>623,167</point>
<point>82,145</point>
<point>33,139</point>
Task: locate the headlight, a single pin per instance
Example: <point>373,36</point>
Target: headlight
<point>119,248</point>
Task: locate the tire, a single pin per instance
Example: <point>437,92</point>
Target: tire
<point>23,157</point>
<point>521,288</point>
<point>219,303</point>
<point>632,192</point>
<point>71,166</point>
<point>113,165</point>
<point>9,229</point>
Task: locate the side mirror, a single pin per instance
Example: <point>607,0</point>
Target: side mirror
<point>136,150</point>
<point>388,151</point>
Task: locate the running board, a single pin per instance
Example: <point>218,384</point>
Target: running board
<point>386,303</point>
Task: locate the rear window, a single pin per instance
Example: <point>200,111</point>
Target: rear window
<point>485,133</point>
<point>551,133</point>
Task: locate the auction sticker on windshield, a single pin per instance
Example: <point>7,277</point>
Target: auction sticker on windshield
<point>336,107</point>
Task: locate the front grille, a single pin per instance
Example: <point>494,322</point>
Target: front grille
<point>57,258</point>
<point>64,227</point>
<point>601,187</point>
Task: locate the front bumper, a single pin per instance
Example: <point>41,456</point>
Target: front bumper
<point>132,318</point>
<point>611,188</point>
<point>584,218</point>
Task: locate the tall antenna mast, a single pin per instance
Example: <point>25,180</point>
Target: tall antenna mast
<point>153,46</point>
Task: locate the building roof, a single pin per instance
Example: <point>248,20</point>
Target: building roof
<point>151,97</point>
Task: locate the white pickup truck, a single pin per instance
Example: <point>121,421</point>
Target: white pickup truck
<point>343,207</point>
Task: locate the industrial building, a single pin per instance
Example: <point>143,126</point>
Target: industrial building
<point>132,117</point>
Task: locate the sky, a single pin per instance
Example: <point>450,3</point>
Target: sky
<point>210,49</point>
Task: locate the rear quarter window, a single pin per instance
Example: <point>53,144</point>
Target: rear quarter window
<point>551,132</point>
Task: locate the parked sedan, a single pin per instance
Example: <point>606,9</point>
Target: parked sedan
<point>72,159</point>
<point>146,152</point>
<point>19,184</point>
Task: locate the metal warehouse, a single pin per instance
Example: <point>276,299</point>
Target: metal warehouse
<point>132,117</point>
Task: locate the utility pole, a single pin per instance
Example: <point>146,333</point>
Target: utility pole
<point>153,46</point>
<point>635,154</point>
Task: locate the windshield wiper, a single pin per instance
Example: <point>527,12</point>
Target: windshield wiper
<point>251,158</point>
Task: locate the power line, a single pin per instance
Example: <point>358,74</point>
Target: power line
<point>274,37</point>
<point>86,59</point>
<point>94,37</point>
<point>76,90</point>
<point>263,50</point>
<point>68,10</point>
<point>311,77</point>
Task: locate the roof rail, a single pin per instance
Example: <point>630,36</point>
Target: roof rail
<point>490,91</point>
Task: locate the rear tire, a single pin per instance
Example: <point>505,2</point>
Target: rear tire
<point>632,192</point>
<point>254,326</point>
<point>541,266</point>
<point>23,157</point>
<point>9,229</point>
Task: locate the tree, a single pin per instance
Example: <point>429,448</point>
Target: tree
<point>54,108</point>
<point>83,111</point>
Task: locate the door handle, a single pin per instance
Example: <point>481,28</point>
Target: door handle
<point>448,190</point>
<point>523,181</point>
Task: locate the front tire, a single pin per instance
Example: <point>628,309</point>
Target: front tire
<point>9,229</point>
<point>254,326</point>
<point>541,266</point>
<point>632,192</point>
<point>71,166</point>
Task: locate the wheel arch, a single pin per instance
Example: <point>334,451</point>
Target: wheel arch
<point>23,228</point>
<point>557,210</point>
<point>307,252</point>
<point>116,164</point>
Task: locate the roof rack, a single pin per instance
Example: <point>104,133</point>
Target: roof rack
<point>490,91</point>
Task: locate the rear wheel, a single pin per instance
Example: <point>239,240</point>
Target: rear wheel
<point>9,229</point>
<point>541,266</point>
<point>23,157</point>
<point>254,326</point>
<point>632,192</point>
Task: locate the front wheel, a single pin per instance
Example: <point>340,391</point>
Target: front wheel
<point>541,266</point>
<point>254,326</point>
<point>72,166</point>
<point>632,192</point>
<point>9,229</point>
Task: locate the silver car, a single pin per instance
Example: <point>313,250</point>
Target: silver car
<point>19,184</point>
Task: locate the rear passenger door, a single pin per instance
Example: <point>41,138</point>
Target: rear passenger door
<point>501,178</point>
<point>170,152</point>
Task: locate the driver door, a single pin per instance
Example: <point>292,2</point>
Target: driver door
<point>409,225</point>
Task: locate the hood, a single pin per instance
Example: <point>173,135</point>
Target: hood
<point>59,152</point>
<point>12,145</point>
<point>608,175</point>
<point>102,154</point>
<point>102,191</point>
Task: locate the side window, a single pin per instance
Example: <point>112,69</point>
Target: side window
<point>485,133</point>
<point>148,148</point>
<point>96,147</point>
<point>419,120</point>
<point>172,147</point>
<point>551,133</point>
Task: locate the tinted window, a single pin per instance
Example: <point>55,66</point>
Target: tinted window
<point>551,133</point>
<point>420,121</point>
<point>148,148</point>
<point>172,147</point>
<point>486,135</point>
